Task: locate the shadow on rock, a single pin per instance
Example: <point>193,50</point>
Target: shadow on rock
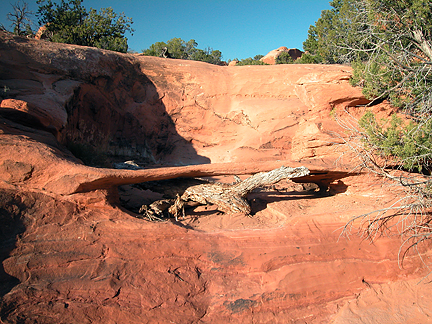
<point>259,199</point>
<point>11,227</point>
<point>103,108</point>
<point>122,117</point>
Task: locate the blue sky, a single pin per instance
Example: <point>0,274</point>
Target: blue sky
<point>238,28</point>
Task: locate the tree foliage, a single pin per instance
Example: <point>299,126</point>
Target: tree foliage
<point>307,58</point>
<point>334,25</point>
<point>396,40</point>
<point>69,22</point>
<point>399,54</point>
<point>409,144</point>
<point>284,58</point>
<point>179,49</point>
<point>251,61</point>
<point>389,44</point>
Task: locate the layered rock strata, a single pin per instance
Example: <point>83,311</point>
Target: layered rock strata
<point>71,252</point>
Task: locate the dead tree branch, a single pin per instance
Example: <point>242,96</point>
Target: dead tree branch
<point>229,198</point>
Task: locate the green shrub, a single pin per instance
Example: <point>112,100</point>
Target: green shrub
<point>70,23</point>
<point>251,61</point>
<point>284,58</point>
<point>410,144</point>
<point>307,58</point>
<point>179,49</point>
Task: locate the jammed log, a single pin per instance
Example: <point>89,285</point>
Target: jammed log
<point>75,178</point>
<point>227,197</point>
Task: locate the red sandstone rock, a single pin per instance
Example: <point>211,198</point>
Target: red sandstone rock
<point>271,56</point>
<point>41,33</point>
<point>71,253</point>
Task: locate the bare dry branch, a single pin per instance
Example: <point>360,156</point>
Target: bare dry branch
<point>229,198</point>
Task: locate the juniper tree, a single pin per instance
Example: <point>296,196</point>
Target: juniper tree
<point>69,22</point>
<point>389,44</point>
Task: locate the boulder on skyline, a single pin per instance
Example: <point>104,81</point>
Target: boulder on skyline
<point>271,56</point>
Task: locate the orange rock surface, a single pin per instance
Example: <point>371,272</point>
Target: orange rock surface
<point>73,250</point>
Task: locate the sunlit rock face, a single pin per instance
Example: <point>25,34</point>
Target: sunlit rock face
<point>271,56</point>
<point>74,249</point>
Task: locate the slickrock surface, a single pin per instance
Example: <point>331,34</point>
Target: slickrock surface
<point>74,250</point>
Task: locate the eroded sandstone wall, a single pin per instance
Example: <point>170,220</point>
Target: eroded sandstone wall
<point>78,256</point>
<point>174,111</point>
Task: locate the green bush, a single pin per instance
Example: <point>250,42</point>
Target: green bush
<point>69,22</point>
<point>251,61</point>
<point>388,44</point>
<point>179,49</point>
<point>284,58</point>
<point>410,144</point>
<point>335,32</point>
<point>307,58</point>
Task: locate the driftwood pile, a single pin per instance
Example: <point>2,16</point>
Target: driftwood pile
<point>228,198</point>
